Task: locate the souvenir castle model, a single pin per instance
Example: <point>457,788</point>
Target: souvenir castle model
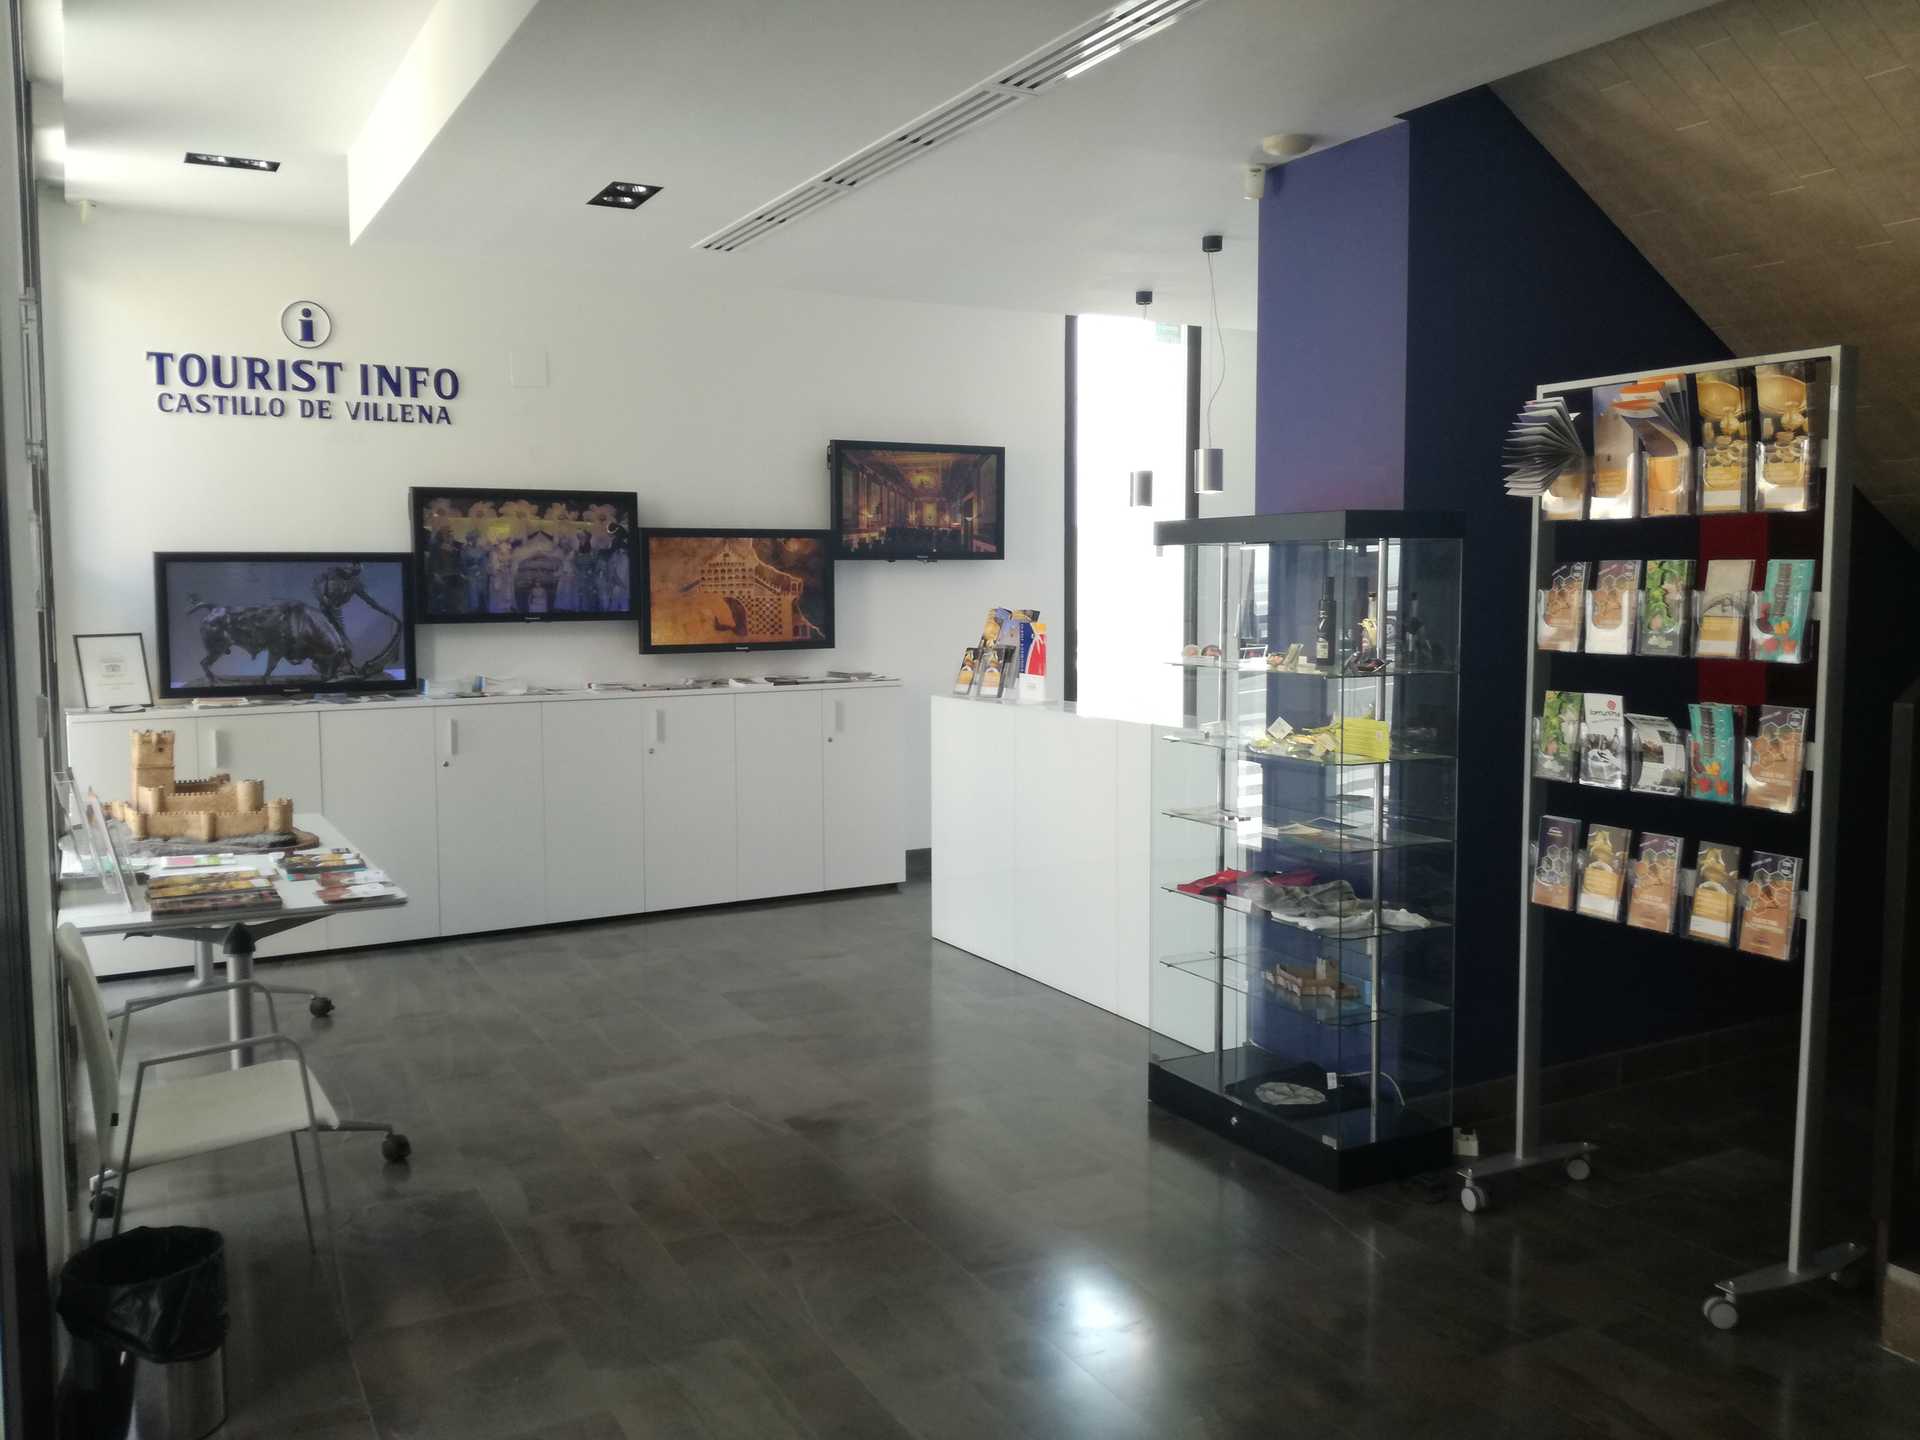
<point>216,808</point>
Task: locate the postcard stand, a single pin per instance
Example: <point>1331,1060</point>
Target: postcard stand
<point>1811,1253</point>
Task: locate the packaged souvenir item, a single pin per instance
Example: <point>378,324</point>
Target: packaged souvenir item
<point>1666,608</point>
<point>1725,401</point>
<point>1716,873</point>
<point>1780,611</point>
<point>1656,756</point>
<point>1653,891</point>
<point>1603,742</point>
<point>1787,454</point>
<point>1723,609</point>
<point>1659,412</point>
<point>1711,751</point>
<point>1776,759</point>
<point>1616,584</point>
<point>1553,862</point>
<point>1769,903</point>
<point>1616,459</point>
<point>1603,872</point>
<point>1562,604</point>
<point>1556,739</point>
<point>969,671</point>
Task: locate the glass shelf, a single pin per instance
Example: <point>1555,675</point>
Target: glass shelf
<point>1233,745</point>
<point>1321,1009</point>
<point>1326,842</point>
<point>1260,667</point>
<point>1362,926</point>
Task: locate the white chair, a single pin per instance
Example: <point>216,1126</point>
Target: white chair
<point>201,1114</point>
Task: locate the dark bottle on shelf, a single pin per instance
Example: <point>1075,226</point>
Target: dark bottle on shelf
<point>1323,628</point>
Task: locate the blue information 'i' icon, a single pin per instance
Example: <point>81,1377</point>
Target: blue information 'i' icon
<point>306,325</point>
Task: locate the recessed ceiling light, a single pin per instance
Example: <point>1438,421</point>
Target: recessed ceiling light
<point>229,162</point>
<point>625,195</point>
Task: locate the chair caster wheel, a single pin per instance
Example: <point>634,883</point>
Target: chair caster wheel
<point>1851,1278</point>
<point>1579,1168</point>
<point>319,1007</point>
<point>1721,1312</point>
<point>1473,1199</point>
<point>103,1203</point>
<point>396,1149</point>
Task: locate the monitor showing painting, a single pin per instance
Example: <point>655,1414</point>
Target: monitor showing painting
<point>516,555</point>
<point>736,590</point>
<point>899,501</point>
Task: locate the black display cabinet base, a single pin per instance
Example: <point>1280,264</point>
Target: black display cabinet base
<point>1416,1146</point>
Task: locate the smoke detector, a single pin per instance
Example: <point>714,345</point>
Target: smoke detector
<point>1287,147</point>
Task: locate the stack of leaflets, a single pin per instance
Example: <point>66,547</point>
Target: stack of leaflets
<point>1553,862</point>
<point>1716,872</point>
<point>1659,412</point>
<point>1562,604</point>
<point>1769,904</point>
<point>1656,756</point>
<point>1666,608</point>
<point>1603,872</point>
<point>356,886</point>
<point>1711,750</point>
<point>1655,890</point>
<point>1776,760</point>
<point>1556,741</point>
<point>1786,458</point>
<point>1610,607</point>
<point>1725,400</point>
<point>1603,742</point>
<point>1723,609</point>
<point>172,863</point>
<point>203,894</point>
<point>320,864</point>
<point>1778,630</point>
<point>1545,456</point>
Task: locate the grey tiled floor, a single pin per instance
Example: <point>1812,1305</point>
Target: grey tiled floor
<point>797,1170</point>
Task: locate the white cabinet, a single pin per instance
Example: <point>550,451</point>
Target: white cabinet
<point>865,751</point>
<point>972,818</point>
<point>493,866</point>
<point>377,772</point>
<point>779,763</point>
<point>690,818</point>
<point>595,817</point>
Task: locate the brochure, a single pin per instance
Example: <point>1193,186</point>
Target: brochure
<point>1553,862</point>
<point>1716,872</point>
<point>1666,608</point>
<point>1659,411</point>
<point>1616,583</point>
<point>1654,889</point>
<point>1776,759</point>
<point>1562,605</point>
<point>996,668</point>
<point>1725,401</point>
<point>1545,456</point>
<point>969,671</point>
<point>1769,903</point>
<point>1656,756</point>
<point>1780,612</point>
<point>1711,749</point>
<point>1556,740</point>
<point>1787,455</point>
<point>1723,609</point>
<point>1603,871</point>
<point>1603,742</point>
<point>1616,458</point>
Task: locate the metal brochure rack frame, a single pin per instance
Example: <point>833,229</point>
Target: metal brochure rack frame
<point>1810,1255</point>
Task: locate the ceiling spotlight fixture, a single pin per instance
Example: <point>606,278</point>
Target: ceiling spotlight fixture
<point>625,195</point>
<point>230,162</point>
<point>1209,462</point>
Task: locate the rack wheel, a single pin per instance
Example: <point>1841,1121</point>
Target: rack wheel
<point>320,1007</point>
<point>1579,1168</point>
<point>1851,1278</point>
<point>396,1148</point>
<point>103,1203</point>
<point>1721,1312</point>
<point>1473,1199</point>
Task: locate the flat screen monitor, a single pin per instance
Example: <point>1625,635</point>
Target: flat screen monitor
<point>511,556</point>
<point>735,590</point>
<point>895,500</point>
<point>252,623</point>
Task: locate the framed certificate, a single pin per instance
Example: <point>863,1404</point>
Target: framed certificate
<point>113,671</point>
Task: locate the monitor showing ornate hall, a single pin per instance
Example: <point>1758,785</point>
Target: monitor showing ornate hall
<point>736,590</point>
<point>516,555</point>
<point>899,501</point>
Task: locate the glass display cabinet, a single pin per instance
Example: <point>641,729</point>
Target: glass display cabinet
<point>1303,844</point>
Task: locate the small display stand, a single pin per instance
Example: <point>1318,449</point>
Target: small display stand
<point>1715,673</point>
<point>1303,843</point>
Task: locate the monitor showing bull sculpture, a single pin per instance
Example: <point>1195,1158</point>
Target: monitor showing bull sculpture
<point>516,555</point>
<point>266,623</point>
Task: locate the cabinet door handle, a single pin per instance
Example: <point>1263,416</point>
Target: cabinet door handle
<point>210,752</point>
<point>839,717</point>
<point>660,725</point>
<point>446,741</point>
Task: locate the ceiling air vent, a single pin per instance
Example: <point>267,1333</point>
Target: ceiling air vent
<point>1100,38</point>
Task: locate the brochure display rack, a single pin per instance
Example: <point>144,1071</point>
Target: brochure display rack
<point>1687,653</point>
<point>1303,845</point>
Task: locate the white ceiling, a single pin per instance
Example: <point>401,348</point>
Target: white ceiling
<point>1068,203</point>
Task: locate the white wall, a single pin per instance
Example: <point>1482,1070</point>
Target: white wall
<point>715,407</point>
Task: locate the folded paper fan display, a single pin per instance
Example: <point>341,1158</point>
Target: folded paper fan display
<point>1543,449</point>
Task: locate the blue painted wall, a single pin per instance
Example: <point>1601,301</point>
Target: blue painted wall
<point>1332,343</point>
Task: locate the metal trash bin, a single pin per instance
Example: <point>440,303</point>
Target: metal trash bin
<point>148,1314</point>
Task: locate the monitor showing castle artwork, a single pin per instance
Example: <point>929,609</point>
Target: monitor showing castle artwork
<point>261,624</point>
<point>513,555</point>
<point>895,500</point>
<point>736,590</point>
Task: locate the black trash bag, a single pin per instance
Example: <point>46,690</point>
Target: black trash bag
<point>156,1292</point>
